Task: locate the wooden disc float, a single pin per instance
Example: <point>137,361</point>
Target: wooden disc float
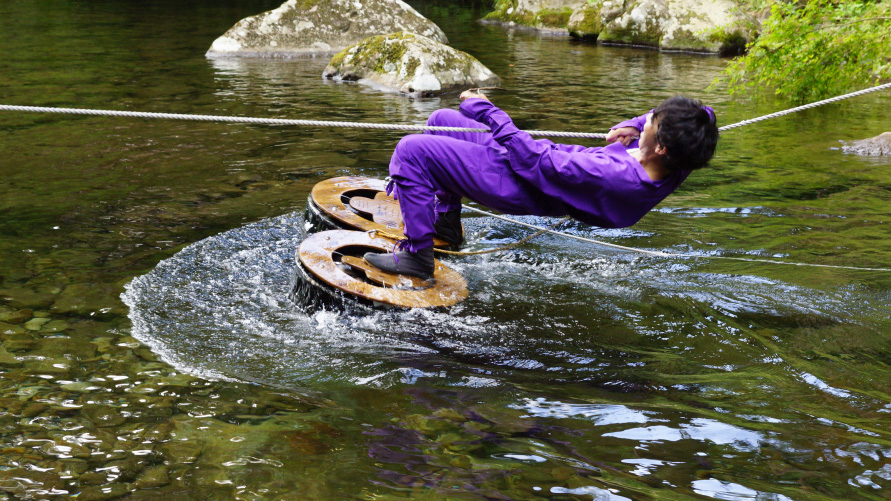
<point>356,203</point>
<point>333,258</point>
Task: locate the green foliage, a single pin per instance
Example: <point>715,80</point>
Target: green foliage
<point>814,50</point>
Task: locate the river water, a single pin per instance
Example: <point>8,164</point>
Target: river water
<point>572,371</point>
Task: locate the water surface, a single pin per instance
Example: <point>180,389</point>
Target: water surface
<point>573,371</point>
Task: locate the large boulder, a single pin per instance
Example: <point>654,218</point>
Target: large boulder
<point>874,146</point>
<point>545,15</point>
<point>689,25</point>
<point>309,28</point>
<point>714,26</point>
<point>410,64</point>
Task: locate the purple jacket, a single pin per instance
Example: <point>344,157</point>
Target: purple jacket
<point>602,186</point>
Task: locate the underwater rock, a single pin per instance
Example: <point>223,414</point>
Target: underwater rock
<point>66,348</point>
<point>16,316</point>
<point>152,478</point>
<point>22,483</point>
<point>874,146</point>
<point>409,64</point>
<point>713,26</point>
<point>7,359</point>
<point>308,28</point>
<point>36,323</point>
<point>50,366</point>
<point>26,297</point>
<point>180,452</point>
<point>103,416</point>
<point>103,492</point>
<point>88,299</point>
<point>9,329</point>
<point>55,326</point>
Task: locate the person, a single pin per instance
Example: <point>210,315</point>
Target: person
<point>612,186</point>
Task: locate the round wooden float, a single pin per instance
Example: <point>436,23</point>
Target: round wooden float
<point>334,259</point>
<point>357,203</point>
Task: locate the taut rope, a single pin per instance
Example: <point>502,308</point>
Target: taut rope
<point>657,253</point>
<point>417,128</point>
<point>381,126</point>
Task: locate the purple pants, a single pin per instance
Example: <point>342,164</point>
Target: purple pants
<point>434,170</point>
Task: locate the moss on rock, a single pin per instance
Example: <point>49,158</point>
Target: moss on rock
<point>410,64</point>
<point>553,18</point>
<point>585,23</point>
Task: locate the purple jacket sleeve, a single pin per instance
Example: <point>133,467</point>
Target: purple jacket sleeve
<point>637,122</point>
<point>543,162</point>
<point>574,176</point>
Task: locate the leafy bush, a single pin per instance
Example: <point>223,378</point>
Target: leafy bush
<point>812,50</point>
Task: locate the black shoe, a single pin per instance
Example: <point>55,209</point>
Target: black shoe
<point>448,227</point>
<point>418,264</point>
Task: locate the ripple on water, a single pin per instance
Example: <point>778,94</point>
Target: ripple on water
<point>219,308</point>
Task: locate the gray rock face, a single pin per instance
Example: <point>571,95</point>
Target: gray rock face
<point>309,28</point>
<point>670,24</point>
<point>683,25</point>
<point>874,146</point>
<point>410,64</point>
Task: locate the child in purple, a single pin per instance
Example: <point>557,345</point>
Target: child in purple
<point>611,186</point>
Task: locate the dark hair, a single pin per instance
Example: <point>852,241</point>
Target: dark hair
<point>687,131</point>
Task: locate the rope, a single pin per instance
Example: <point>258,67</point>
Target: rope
<point>381,126</point>
<point>541,231</point>
<point>806,106</point>
<point>549,229</point>
<point>280,121</point>
<point>662,253</point>
<point>522,241</point>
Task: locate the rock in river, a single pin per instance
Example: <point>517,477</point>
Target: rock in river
<point>714,26</point>
<point>308,28</point>
<point>874,146</point>
<point>409,64</point>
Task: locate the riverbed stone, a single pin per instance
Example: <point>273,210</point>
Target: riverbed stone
<point>16,316</point>
<point>152,478</point>
<point>874,146</point>
<point>103,416</point>
<point>26,297</point>
<point>55,326</point>
<point>36,323</point>
<point>73,466</point>
<point>63,347</point>
<point>309,28</point>
<point>128,468</point>
<point>180,452</point>
<point>50,366</point>
<point>32,409</point>
<point>65,449</point>
<point>26,484</point>
<point>102,492</point>
<point>8,329</point>
<point>7,359</point>
<point>409,64</point>
<point>88,299</point>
